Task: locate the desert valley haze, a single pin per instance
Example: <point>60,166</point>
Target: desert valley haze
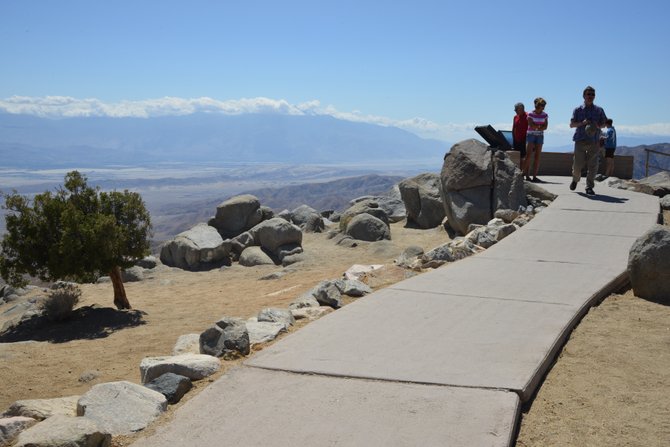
<point>184,167</point>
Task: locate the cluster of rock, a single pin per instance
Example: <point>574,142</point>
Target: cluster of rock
<point>243,231</point>
<point>655,185</point>
<point>119,408</point>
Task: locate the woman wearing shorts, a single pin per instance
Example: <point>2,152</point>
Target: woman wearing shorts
<point>538,121</point>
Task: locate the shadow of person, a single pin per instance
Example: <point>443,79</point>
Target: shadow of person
<point>85,323</point>
<point>604,198</point>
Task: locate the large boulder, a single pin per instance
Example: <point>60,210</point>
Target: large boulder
<point>391,204</point>
<point>252,256</point>
<point>423,200</point>
<point>68,431</point>
<point>368,206</point>
<point>237,215</point>
<point>228,338</point>
<point>275,233</point>
<point>121,408</point>
<point>199,248</point>
<point>302,214</point>
<point>649,265</point>
<point>365,227</point>
<point>476,182</point>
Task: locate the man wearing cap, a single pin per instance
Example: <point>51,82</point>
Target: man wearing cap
<point>588,119</point>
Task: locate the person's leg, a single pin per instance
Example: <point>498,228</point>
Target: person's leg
<point>591,164</point>
<point>530,148</point>
<point>609,161</point>
<point>578,160</point>
<point>536,161</point>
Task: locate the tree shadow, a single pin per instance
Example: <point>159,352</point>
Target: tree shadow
<point>85,323</point>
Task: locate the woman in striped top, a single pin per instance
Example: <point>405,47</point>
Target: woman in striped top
<point>538,121</point>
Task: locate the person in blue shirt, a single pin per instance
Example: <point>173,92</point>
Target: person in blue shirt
<point>610,147</point>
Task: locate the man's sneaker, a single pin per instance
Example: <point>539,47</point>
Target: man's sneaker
<point>590,192</point>
<point>573,185</point>
<point>536,180</point>
<point>528,179</point>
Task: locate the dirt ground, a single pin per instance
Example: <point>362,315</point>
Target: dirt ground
<point>610,386</point>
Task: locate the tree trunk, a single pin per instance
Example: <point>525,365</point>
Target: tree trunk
<point>120,299</point>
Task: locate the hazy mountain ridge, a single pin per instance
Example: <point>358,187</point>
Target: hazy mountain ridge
<point>30,141</point>
<point>334,195</point>
<point>657,162</point>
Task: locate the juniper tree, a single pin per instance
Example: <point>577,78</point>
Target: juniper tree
<point>75,233</point>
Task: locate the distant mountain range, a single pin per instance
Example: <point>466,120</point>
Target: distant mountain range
<point>647,160</point>
<point>28,141</point>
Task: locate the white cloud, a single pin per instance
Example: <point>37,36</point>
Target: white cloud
<point>64,106</point>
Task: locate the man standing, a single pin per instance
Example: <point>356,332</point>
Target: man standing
<point>610,147</point>
<point>519,129</point>
<point>588,119</point>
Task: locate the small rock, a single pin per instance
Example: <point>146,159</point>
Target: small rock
<point>311,313</point>
<point>172,386</point>
<point>10,428</point>
<point>187,344</point>
<point>41,409</point>
<point>88,376</point>
<point>193,366</point>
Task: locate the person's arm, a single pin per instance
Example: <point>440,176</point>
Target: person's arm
<point>575,122</point>
<point>544,125</point>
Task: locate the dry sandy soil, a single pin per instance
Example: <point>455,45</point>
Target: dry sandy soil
<point>610,385</point>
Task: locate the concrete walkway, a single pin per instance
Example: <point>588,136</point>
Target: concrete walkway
<point>445,358</point>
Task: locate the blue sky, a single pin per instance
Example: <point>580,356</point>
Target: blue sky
<point>436,68</point>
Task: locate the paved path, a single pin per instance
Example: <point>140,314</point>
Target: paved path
<point>445,358</point>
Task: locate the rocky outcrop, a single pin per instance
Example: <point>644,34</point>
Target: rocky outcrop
<point>237,215</point>
<point>476,182</point>
<point>422,198</point>
<point>199,248</point>
<point>649,265</point>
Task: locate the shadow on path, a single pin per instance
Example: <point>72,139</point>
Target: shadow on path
<point>604,198</point>
<point>86,323</point>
